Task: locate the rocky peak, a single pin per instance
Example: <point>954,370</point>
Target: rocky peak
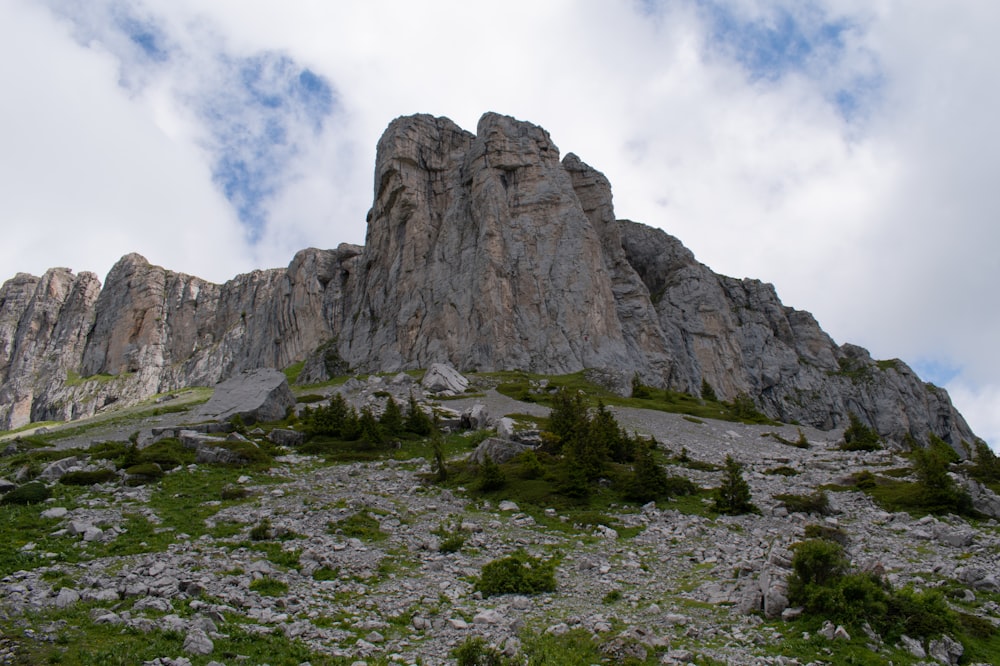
<point>479,253</point>
<point>484,251</point>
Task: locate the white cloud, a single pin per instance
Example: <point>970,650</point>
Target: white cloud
<point>87,174</point>
<point>878,217</point>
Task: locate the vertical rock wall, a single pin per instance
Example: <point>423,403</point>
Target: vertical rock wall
<point>483,250</point>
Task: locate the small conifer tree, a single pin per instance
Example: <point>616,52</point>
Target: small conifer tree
<point>733,496</point>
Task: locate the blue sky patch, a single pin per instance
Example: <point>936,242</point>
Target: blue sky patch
<point>258,112</point>
<point>145,35</point>
<point>777,41</point>
<point>258,121</point>
<point>936,372</point>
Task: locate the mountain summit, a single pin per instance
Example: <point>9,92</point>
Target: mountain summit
<point>483,250</point>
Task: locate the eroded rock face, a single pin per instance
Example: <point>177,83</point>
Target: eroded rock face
<point>738,337</point>
<point>484,251</point>
<point>479,253</point>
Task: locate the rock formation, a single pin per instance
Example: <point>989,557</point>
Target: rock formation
<point>485,251</point>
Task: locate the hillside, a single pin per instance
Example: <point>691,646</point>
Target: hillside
<point>285,545</point>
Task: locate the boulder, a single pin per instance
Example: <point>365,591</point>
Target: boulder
<point>476,417</point>
<point>946,650</point>
<point>442,378</point>
<point>285,437</point>
<point>496,449</point>
<point>257,395</point>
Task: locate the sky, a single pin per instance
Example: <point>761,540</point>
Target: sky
<point>846,151</point>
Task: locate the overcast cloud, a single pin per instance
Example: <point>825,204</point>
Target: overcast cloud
<point>845,151</point>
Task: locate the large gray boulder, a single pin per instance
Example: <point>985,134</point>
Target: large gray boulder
<point>258,395</point>
<point>498,450</point>
<point>442,378</point>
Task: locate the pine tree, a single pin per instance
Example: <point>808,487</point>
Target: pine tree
<point>649,480</point>
<point>417,420</point>
<point>371,431</point>
<point>392,419</point>
<point>440,468</point>
<point>733,496</point>
<point>568,418</point>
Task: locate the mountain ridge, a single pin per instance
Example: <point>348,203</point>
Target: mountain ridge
<point>483,250</point>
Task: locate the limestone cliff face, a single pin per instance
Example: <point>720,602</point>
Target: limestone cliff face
<point>737,336</point>
<point>480,252</point>
<point>483,250</point>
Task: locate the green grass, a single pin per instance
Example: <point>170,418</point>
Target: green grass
<point>77,641</point>
<point>127,415</point>
<point>293,371</point>
<point>269,587</point>
<point>523,386</point>
<point>361,525</point>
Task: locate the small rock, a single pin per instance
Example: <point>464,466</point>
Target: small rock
<point>946,650</point>
<point>67,597</point>
<point>198,642</point>
<point>558,629</point>
<point>912,646</point>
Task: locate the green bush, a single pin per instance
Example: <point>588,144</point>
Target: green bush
<point>518,573</point>
<point>417,421</point>
<point>261,531</point>
<point>824,586</point>
<point>815,562</point>
<point>491,477</point>
<point>986,469</point>
<point>88,478</point>
<point>816,502</point>
<point>531,465</point>
<point>452,539</point>
<point>142,474</point>
<point>391,420</point>
<point>707,392</point>
<point>859,437</point>
<point>639,390</point>
<point>864,480</point>
<point>269,587</point>
<point>474,651</point>
<point>231,492</point>
<point>937,492</point>
<point>361,525</point>
<point>168,453</point>
<point>835,534</point>
<point>29,493</point>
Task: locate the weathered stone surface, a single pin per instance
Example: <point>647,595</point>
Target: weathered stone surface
<point>496,449</point>
<point>257,395</point>
<point>443,378</point>
<point>946,650</point>
<point>738,337</point>
<point>285,437</point>
<point>485,251</point>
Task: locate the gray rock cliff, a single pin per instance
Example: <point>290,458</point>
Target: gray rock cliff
<point>485,251</point>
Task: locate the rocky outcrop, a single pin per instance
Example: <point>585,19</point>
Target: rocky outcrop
<point>738,337</point>
<point>256,395</point>
<point>484,251</point>
<point>479,253</point>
